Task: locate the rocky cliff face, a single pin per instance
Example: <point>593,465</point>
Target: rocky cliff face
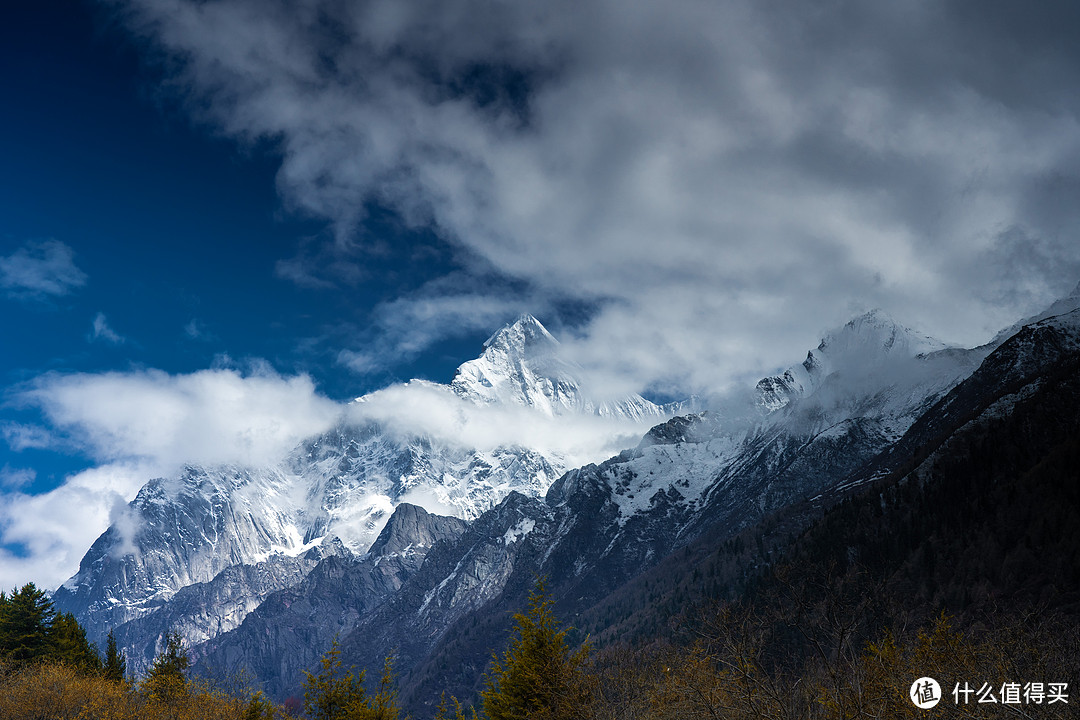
<point>291,629</point>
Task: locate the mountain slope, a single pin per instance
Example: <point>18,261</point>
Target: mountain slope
<point>330,601</point>
<point>260,529</point>
<point>1026,387</point>
<point>601,525</point>
<point>975,515</point>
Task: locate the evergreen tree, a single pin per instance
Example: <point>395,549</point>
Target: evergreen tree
<point>68,644</point>
<point>334,693</point>
<point>259,708</point>
<point>26,617</point>
<point>453,710</point>
<point>337,694</point>
<point>384,704</point>
<point>165,679</point>
<point>115,664</point>
<point>538,676</point>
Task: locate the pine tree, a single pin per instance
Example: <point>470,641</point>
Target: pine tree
<point>115,664</point>
<point>68,644</point>
<point>337,694</point>
<point>26,617</point>
<point>165,680</point>
<point>538,676</point>
<point>334,693</point>
<point>444,710</point>
<point>384,704</point>
<point>259,708</point>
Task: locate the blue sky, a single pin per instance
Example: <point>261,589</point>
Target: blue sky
<point>219,220</point>
<point>135,240</point>
<point>174,235</point>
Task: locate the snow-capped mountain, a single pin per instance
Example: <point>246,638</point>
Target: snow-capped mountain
<point>702,479</point>
<point>521,365</point>
<point>601,524</point>
<point>454,449</point>
<point>866,346</point>
<point>304,571</point>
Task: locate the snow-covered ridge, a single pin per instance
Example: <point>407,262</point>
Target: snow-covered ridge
<point>861,388</point>
<point>521,366</point>
<point>1062,306</point>
<point>870,344</point>
<point>513,420</point>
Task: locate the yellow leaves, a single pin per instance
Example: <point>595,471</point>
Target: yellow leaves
<point>538,676</point>
<point>59,692</point>
<point>335,693</point>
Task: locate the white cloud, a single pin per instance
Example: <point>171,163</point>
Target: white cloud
<point>55,529</point>
<point>102,331</point>
<point>427,409</point>
<point>724,180</point>
<point>40,268</point>
<point>21,437</point>
<point>125,522</point>
<point>15,478</point>
<point>140,425</point>
<point>211,416</point>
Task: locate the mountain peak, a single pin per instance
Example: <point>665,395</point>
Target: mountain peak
<point>522,365</point>
<point>524,336</point>
<point>866,343</point>
<point>1061,306</point>
<point>411,526</point>
<point>879,333</point>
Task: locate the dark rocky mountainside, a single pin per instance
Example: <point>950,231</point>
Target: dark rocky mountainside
<point>706,475</point>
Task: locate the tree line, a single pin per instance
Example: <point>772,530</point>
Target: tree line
<point>736,661</point>
<point>49,670</point>
<point>32,631</point>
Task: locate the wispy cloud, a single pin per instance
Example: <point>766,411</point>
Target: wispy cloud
<point>20,436</point>
<point>16,478</point>
<point>434,411</point>
<point>404,328</point>
<point>722,180</point>
<point>103,331</point>
<point>40,269</point>
<point>196,330</point>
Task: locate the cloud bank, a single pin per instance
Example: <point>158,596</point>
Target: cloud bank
<point>432,410</point>
<point>137,426</point>
<point>206,417</point>
<point>45,535</point>
<point>722,180</point>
